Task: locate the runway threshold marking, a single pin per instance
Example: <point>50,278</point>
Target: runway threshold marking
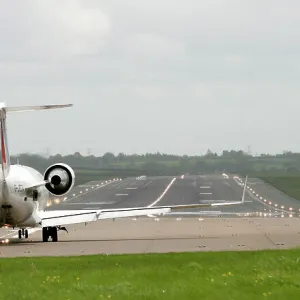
<point>164,192</point>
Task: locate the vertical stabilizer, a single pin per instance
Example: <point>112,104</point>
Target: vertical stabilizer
<point>5,159</point>
<point>11,109</point>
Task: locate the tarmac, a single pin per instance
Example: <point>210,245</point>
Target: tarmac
<point>267,220</point>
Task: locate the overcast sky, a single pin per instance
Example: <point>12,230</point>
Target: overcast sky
<point>146,76</point>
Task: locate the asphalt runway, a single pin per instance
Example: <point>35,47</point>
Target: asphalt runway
<point>261,199</point>
<point>161,235</point>
<point>267,220</point>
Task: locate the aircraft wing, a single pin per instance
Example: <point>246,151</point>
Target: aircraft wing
<point>67,217</point>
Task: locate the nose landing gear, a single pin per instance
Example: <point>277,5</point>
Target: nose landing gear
<point>23,233</point>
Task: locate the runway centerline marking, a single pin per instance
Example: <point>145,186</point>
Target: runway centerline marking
<point>205,187</point>
<point>164,192</point>
<point>121,194</point>
<point>205,193</point>
<point>131,188</point>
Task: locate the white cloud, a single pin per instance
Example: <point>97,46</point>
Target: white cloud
<point>151,45</point>
<point>51,29</point>
<point>153,75</point>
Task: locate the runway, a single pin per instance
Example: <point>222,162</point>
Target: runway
<point>261,199</point>
<point>267,220</point>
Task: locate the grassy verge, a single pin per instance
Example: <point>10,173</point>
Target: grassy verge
<point>225,275</point>
<point>288,184</point>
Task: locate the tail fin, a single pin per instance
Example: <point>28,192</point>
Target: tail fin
<point>4,146</point>
<point>3,133</point>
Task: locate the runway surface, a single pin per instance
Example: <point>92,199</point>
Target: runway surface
<point>267,219</point>
<point>261,198</point>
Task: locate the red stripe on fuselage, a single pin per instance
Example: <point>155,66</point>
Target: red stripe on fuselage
<point>3,144</point>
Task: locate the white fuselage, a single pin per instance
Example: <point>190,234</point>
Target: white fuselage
<point>18,208</point>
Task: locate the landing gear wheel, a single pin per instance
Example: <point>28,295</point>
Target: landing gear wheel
<point>50,232</point>
<point>54,234</point>
<point>26,234</point>
<point>20,234</point>
<point>45,234</point>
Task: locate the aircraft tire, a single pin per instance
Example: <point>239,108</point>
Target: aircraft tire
<point>45,234</point>
<point>54,234</point>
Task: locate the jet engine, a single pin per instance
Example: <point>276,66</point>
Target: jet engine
<point>60,178</point>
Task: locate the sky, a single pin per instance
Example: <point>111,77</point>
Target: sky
<point>145,76</point>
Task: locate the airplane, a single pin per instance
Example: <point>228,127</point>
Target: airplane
<point>25,192</point>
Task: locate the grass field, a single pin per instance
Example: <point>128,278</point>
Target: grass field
<point>225,275</point>
<point>288,184</point>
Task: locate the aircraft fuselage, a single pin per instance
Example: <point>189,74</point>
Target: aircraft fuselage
<point>18,204</point>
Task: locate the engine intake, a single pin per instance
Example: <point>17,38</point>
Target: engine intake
<point>61,179</point>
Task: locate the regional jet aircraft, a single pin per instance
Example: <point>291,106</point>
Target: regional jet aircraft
<point>24,193</point>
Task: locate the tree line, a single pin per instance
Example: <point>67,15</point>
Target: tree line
<point>160,163</point>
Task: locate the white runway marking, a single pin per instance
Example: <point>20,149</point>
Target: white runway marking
<point>147,183</point>
<point>205,187</point>
<point>205,193</point>
<point>131,188</point>
<point>90,203</point>
<point>121,194</point>
<point>164,192</point>
<point>7,235</point>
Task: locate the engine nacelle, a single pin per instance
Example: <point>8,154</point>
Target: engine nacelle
<point>61,179</point>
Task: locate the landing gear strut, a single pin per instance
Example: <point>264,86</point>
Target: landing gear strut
<point>49,232</point>
<point>23,233</point>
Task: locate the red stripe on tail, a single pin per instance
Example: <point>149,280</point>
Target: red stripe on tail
<point>3,144</point>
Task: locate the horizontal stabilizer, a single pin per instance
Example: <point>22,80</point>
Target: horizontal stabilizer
<point>12,109</point>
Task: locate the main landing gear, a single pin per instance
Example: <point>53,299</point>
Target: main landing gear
<point>23,233</point>
<point>49,232</point>
<point>52,232</point>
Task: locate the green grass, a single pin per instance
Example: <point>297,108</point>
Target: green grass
<point>225,275</point>
<point>288,184</point>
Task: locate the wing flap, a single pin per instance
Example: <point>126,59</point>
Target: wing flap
<point>67,217</point>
